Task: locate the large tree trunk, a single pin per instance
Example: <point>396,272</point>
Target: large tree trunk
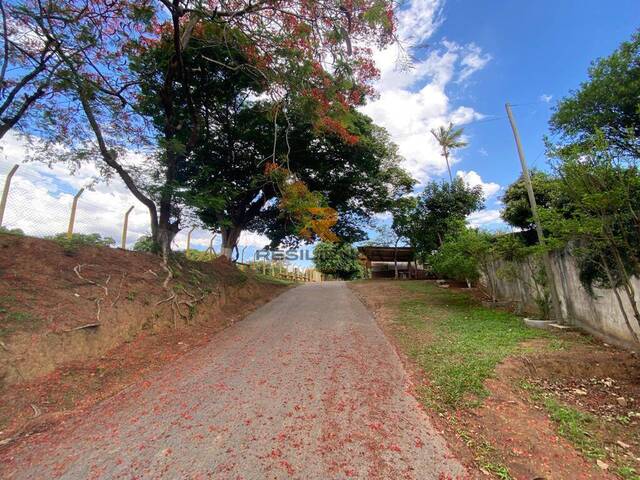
<point>230,236</point>
<point>165,233</point>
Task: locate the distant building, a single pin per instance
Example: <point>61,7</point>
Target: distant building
<point>379,262</point>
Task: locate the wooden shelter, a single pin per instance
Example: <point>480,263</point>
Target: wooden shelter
<point>380,261</point>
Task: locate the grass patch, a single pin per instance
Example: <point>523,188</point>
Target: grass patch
<point>269,279</point>
<point>486,455</point>
<point>467,341</point>
<point>13,321</point>
<point>582,430</point>
<point>575,426</point>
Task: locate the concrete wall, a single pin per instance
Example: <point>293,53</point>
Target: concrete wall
<point>599,314</point>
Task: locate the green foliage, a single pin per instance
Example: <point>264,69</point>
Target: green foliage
<point>78,240</point>
<point>338,259</point>
<point>12,231</point>
<point>441,210</point>
<point>464,255</point>
<point>597,160</point>
<point>200,256</point>
<point>600,214</point>
<point>517,209</point>
<point>146,244</point>
<point>606,103</point>
<point>402,210</point>
<point>466,342</point>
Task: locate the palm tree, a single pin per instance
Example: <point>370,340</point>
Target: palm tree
<point>449,139</point>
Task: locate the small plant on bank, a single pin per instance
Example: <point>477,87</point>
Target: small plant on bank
<point>146,244</point>
<point>71,244</point>
<point>12,231</point>
<point>200,256</point>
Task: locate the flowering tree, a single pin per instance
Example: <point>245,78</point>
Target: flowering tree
<point>319,49</point>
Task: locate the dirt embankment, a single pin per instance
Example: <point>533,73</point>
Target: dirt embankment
<point>77,325</point>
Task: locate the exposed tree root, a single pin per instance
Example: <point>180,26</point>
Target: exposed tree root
<point>173,298</point>
<point>105,287</point>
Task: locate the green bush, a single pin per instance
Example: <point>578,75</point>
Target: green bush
<point>339,260</point>
<point>81,240</point>
<point>12,231</point>
<point>146,244</point>
<point>463,256</point>
<point>200,256</point>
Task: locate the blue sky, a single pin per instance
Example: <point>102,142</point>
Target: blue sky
<point>542,47</point>
<point>505,51</point>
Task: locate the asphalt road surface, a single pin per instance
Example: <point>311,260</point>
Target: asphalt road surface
<point>306,387</point>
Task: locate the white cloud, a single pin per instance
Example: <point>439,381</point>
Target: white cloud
<point>546,98</point>
<point>473,60</point>
<point>40,200</point>
<point>484,218</point>
<point>419,20</point>
<point>414,100</point>
<point>473,178</point>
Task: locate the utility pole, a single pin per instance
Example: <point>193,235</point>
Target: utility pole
<point>555,299</point>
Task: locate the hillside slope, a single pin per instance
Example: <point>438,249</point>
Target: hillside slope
<point>78,323</point>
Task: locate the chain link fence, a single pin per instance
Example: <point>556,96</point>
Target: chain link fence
<point>44,202</point>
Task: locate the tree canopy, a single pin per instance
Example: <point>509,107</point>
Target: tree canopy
<point>232,176</point>
<point>607,102</point>
<point>517,209</point>
<point>320,51</point>
<point>442,208</point>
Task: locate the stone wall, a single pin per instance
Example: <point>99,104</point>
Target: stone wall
<point>599,314</point>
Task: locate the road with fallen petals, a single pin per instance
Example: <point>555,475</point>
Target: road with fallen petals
<point>306,387</point>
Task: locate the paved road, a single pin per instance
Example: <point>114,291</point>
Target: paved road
<point>306,387</point>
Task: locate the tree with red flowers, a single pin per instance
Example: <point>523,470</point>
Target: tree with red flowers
<point>319,49</point>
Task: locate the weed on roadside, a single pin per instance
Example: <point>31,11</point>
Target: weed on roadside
<point>581,429</point>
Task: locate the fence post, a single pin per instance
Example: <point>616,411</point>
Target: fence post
<point>210,249</point>
<point>5,192</point>
<point>72,218</point>
<point>189,238</point>
<point>264,267</point>
<point>124,228</point>
<point>242,254</point>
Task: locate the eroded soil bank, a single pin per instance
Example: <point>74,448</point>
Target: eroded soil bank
<point>78,325</point>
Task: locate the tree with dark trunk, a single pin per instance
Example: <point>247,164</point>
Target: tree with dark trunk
<point>282,42</point>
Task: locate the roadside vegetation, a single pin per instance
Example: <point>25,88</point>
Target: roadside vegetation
<point>507,391</point>
<point>589,203</point>
<point>466,342</point>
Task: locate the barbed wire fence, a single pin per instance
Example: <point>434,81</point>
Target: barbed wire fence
<point>38,203</point>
